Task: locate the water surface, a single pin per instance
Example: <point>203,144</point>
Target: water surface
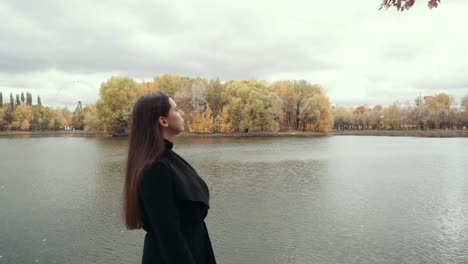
<point>341,199</point>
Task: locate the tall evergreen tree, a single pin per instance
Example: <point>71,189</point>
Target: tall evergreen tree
<point>12,102</point>
<point>29,99</point>
<point>1,99</point>
<point>18,99</point>
<point>22,97</point>
<point>39,103</point>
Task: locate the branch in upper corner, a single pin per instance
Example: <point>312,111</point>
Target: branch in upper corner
<point>402,5</point>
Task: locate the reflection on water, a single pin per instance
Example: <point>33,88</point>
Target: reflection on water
<point>273,200</point>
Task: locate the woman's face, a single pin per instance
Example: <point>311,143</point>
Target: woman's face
<point>173,123</point>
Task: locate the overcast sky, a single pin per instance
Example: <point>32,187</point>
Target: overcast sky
<point>64,50</point>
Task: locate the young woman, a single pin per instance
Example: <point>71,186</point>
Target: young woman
<point>163,194</point>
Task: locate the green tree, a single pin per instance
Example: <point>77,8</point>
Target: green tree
<point>252,106</point>
<point>18,102</point>
<point>117,96</point>
<point>1,99</point>
<point>57,125</point>
<point>39,103</point>
<point>45,123</point>
<point>22,97</point>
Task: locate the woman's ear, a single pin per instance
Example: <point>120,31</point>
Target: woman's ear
<point>163,121</point>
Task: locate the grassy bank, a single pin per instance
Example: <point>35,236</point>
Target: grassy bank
<point>402,133</point>
<point>52,133</point>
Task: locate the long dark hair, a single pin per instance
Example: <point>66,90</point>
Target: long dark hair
<point>146,144</point>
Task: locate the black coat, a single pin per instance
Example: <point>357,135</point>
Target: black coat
<point>174,203</point>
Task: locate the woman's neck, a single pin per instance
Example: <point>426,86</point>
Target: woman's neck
<point>169,138</point>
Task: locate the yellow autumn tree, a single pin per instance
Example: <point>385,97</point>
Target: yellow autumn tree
<point>24,125</point>
<point>168,84</point>
<point>342,118</point>
<point>52,123</point>
<point>57,120</point>
<point>2,117</point>
<point>14,125</point>
<point>147,87</point>
<point>289,99</point>
<point>22,112</point>
<point>202,122</point>
<point>316,113</point>
<point>360,110</point>
<point>223,123</point>
<point>392,116</point>
<point>90,120</point>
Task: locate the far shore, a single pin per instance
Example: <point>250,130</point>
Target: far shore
<point>440,133</point>
<point>388,133</point>
<point>57,133</point>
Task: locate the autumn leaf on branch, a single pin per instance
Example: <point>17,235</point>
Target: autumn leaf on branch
<point>406,4</point>
<point>433,3</point>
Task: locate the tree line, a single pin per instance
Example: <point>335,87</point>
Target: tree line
<point>21,114</point>
<point>429,112</point>
<point>212,106</point>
